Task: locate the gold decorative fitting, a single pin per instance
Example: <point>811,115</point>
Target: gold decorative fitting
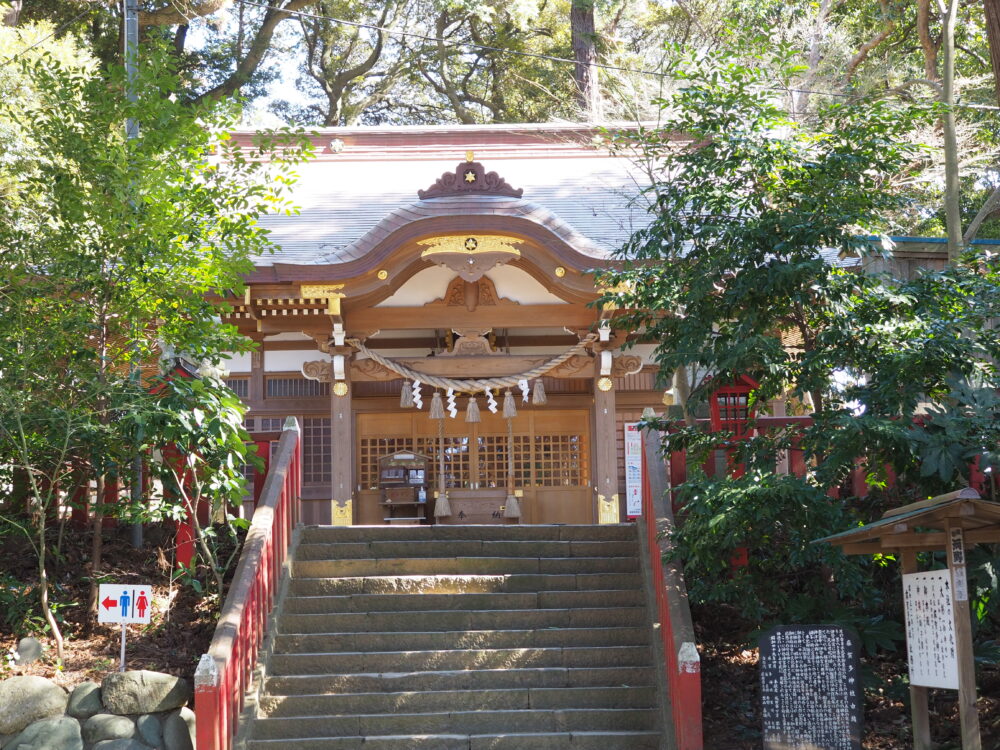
<point>560,271</point>
<point>478,245</point>
<point>341,512</point>
<point>329,292</point>
<point>470,257</point>
<point>605,384</point>
<point>470,156</point>
<point>340,388</point>
<point>382,274</point>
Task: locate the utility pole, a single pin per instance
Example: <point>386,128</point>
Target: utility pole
<point>130,50</point>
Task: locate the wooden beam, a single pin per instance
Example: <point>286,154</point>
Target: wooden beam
<point>928,541</point>
<point>429,342</point>
<point>967,711</point>
<point>513,316</point>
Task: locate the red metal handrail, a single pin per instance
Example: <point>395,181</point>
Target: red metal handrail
<point>224,673</point>
<point>683,667</point>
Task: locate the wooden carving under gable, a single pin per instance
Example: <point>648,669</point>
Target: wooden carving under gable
<point>369,369</point>
<point>318,369</point>
<point>471,294</point>
<point>572,366</point>
<point>469,177</point>
<point>625,364</point>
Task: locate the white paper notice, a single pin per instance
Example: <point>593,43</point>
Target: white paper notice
<point>930,629</point>
<point>633,470</point>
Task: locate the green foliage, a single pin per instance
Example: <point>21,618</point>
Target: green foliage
<point>737,275</point>
<point>111,249</point>
<point>19,603</point>
<point>202,447</point>
<point>775,518</point>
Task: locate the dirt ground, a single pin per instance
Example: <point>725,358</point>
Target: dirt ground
<point>731,696</point>
<point>173,643</point>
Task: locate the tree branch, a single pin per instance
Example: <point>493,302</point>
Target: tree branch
<point>258,48</point>
<point>867,47</point>
<point>986,211</point>
<point>178,13</point>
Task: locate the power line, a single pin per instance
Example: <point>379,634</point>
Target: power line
<point>54,32</point>
<point>537,55</point>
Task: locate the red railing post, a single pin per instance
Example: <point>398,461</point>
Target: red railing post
<point>682,667</point>
<point>224,673</point>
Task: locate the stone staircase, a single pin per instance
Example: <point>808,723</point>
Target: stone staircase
<point>460,638</point>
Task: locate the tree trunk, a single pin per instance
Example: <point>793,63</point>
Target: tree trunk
<point>992,10</point>
<point>953,214</point>
<point>584,38</point>
<point>13,13</point>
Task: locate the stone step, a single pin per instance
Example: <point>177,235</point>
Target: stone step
<point>393,566</point>
<point>538,741</point>
<point>466,548</point>
<point>405,622</point>
<point>445,639</point>
<point>452,584</point>
<point>437,701</point>
<point>462,601</point>
<point>460,679</point>
<point>457,722</point>
<point>512,532</point>
<point>409,661</point>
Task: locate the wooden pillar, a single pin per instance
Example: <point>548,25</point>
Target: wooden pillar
<point>918,694</point>
<point>967,712</point>
<point>605,452</point>
<point>342,510</point>
<point>255,388</point>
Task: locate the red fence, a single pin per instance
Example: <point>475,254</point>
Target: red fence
<point>682,664</point>
<point>224,673</point>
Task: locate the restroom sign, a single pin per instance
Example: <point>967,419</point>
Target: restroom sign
<point>124,604</point>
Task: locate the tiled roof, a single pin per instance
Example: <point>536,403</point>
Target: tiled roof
<point>340,201</point>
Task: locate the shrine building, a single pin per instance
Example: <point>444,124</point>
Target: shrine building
<point>429,319</point>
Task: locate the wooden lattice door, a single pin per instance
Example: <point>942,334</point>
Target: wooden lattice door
<point>551,452</point>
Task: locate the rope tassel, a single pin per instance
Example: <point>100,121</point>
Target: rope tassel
<point>509,409</point>
<point>538,396</point>
<point>472,410</point>
<point>437,406</point>
<point>511,508</point>
<point>442,507</point>
<point>406,396</point>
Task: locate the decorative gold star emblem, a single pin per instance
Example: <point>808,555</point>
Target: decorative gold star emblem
<point>471,244</point>
<point>470,175</point>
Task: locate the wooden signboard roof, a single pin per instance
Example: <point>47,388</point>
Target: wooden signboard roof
<point>921,526</point>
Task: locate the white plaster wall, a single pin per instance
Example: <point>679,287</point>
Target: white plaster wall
<point>423,287</point>
<point>642,350</point>
<point>431,284</point>
<point>290,361</point>
<point>520,286</point>
<point>236,362</point>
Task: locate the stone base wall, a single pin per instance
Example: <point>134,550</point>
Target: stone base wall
<point>137,710</point>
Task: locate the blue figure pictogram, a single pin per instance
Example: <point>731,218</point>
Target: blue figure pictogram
<point>124,600</point>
